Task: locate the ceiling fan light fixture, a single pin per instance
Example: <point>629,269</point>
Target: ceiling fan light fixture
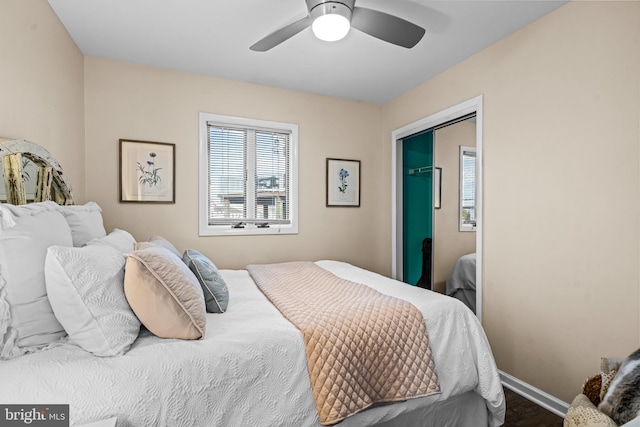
<point>331,21</point>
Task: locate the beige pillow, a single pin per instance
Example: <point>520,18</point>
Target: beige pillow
<point>159,241</point>
<point>583,413</point>
<point>164,294</point>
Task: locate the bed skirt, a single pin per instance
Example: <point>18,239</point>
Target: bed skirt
<point>467,409</point>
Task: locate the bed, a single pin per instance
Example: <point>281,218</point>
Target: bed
<point>71,334</point>
<point>461,283</point>
<point>250,370</point>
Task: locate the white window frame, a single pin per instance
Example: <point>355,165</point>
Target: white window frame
<point>204,228</point>
<point>463,226</point>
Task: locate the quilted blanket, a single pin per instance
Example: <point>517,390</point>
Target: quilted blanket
<point>362,347</point>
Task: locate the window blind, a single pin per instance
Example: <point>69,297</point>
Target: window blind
<point>248,176</point>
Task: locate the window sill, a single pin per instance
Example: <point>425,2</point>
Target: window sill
<point>247,231</point>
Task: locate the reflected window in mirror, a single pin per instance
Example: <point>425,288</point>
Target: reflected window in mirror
<point>467,211</point>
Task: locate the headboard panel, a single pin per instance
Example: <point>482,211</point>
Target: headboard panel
<point>20,187</point>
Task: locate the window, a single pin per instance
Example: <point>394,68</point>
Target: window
<point>248,176</point>
<point>467,188</point>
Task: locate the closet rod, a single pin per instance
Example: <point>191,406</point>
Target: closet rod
<point>421,170</point>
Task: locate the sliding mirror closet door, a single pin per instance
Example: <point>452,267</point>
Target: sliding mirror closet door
<point>436,234</point>
<point>454,244</point>
<point>438,197</point>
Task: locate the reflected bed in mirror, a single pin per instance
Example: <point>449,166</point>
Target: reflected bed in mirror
<point>461,283</point>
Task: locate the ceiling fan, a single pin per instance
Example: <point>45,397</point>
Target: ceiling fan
<point>331,20</point>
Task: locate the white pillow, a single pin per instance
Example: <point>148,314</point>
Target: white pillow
<point>27,322</point>
<point>118,239</point>
<point>85,222</point>
<point>86,290</point>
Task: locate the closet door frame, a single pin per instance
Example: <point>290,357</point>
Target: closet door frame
<point>459,110</point>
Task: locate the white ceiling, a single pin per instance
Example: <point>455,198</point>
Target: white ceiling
<point>212,37</point>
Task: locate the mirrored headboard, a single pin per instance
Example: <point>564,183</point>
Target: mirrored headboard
<point>31,174</point>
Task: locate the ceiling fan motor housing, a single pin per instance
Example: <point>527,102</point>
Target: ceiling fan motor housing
<point>323,7</point>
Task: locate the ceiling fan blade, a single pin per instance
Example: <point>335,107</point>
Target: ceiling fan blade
<point>284,33</point>
<point>386,27</point>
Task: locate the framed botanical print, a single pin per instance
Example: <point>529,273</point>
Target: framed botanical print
<point>343,183</point>
<point>147,171</point>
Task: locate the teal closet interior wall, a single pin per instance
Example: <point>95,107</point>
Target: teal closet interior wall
<point>417,152</point>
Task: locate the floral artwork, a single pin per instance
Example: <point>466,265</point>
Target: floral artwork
<point>149,174</point>
<point>343,182</point>
<point>147,171</point>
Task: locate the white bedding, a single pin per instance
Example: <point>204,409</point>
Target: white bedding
<point>250,370</point>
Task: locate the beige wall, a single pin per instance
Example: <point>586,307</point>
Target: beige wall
<point>449,242</point>
<point>41,85</point>
<point>124,100</point>
<point>561,188</point>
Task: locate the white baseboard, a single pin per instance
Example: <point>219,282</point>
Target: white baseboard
<point>537,396</point>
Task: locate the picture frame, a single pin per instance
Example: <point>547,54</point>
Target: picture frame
<point>343,183</point>
<point>437,187</point>
<point>147,171</point>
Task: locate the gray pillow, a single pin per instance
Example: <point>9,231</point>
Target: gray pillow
<point>216,294</point>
